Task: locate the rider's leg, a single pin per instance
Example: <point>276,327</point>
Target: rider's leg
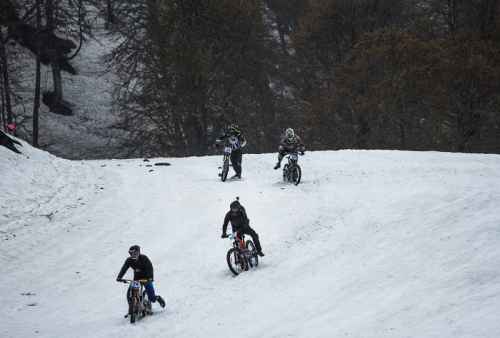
<point>255,238</point>
<point>150,290</point>
<point>281,154</point>
<point>236,158</point>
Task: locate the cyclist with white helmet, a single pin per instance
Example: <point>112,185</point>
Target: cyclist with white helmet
<point>289,143</point>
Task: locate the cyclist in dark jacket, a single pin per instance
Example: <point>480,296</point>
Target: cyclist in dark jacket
<point>240,224</point>
<point>290,143</point>
<point>237,141</point>
<point>143,269</point>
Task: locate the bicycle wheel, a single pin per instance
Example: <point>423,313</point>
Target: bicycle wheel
<point>285,173</point>
<point>296,174</point>
<point>133,310</point>
<point>253,259</point>
<point>236,261</point>
<point>225,168</point>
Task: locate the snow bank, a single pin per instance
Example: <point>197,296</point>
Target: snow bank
<point>37,189</point>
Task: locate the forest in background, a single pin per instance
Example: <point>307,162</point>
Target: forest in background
<point>367,74</point>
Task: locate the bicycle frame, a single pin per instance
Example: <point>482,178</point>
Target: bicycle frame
<point>244,257</point>
<point>227,153</point>
<point>293,158</point>
<point>136,297</point>
<point>238,242</point>
<point>136,289</point>
<point>228,147</point>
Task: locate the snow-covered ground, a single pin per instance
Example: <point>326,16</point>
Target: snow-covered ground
<point>370,244</point>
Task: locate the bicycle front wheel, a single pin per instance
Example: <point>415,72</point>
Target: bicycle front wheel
<point>285,173</point>
<point>296,174</point>
<point>133,310</point>
<point>235,261</point>
<point>225,168</point>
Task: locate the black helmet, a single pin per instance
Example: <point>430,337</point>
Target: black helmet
<point>235,206</point>
<point>134,251</point>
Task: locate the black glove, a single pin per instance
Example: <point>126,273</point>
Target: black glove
<point>224,236</point>
<point>120,280</point>
<point>302,152</point>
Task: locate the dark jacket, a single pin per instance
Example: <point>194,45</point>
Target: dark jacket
<point>238,221</point>
<point>143,269</point>
<point>239,140</point>
<point>294,144</point>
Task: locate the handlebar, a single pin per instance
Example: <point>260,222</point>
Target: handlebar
<point>297,153</point>
<point>231,236</point>
<point>143,281</point>
<point>234,236</point>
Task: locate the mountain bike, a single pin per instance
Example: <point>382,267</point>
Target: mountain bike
<point>225,162</point>
<point>242,255</point>
<point>139,305</point>
<point>230,144</point>
<point>291,171</point>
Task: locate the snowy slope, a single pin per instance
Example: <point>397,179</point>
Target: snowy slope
<point>370,244</point>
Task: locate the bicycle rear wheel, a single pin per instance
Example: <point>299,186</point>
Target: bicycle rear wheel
<point>235,261</point>
<point>253,259</point>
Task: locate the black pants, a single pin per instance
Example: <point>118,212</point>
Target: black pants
<point>236,158</point>
<point>255,237</point>
<point>282,153</point>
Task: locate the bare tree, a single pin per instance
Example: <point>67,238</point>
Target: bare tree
<point>4,65</point>
<point>36,104</point>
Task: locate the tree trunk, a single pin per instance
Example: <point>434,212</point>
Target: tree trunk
<point>452,15</point>
<point>54,56</point>
<point>49,15</point>
<point>110,16</point>
<point>57,79</point>
<point>36,104</point>
<point>2,108</point>
<point>6,86</point>
<point>488,16</point>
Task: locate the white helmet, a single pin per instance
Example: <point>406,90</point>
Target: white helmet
<point>289,133</point>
